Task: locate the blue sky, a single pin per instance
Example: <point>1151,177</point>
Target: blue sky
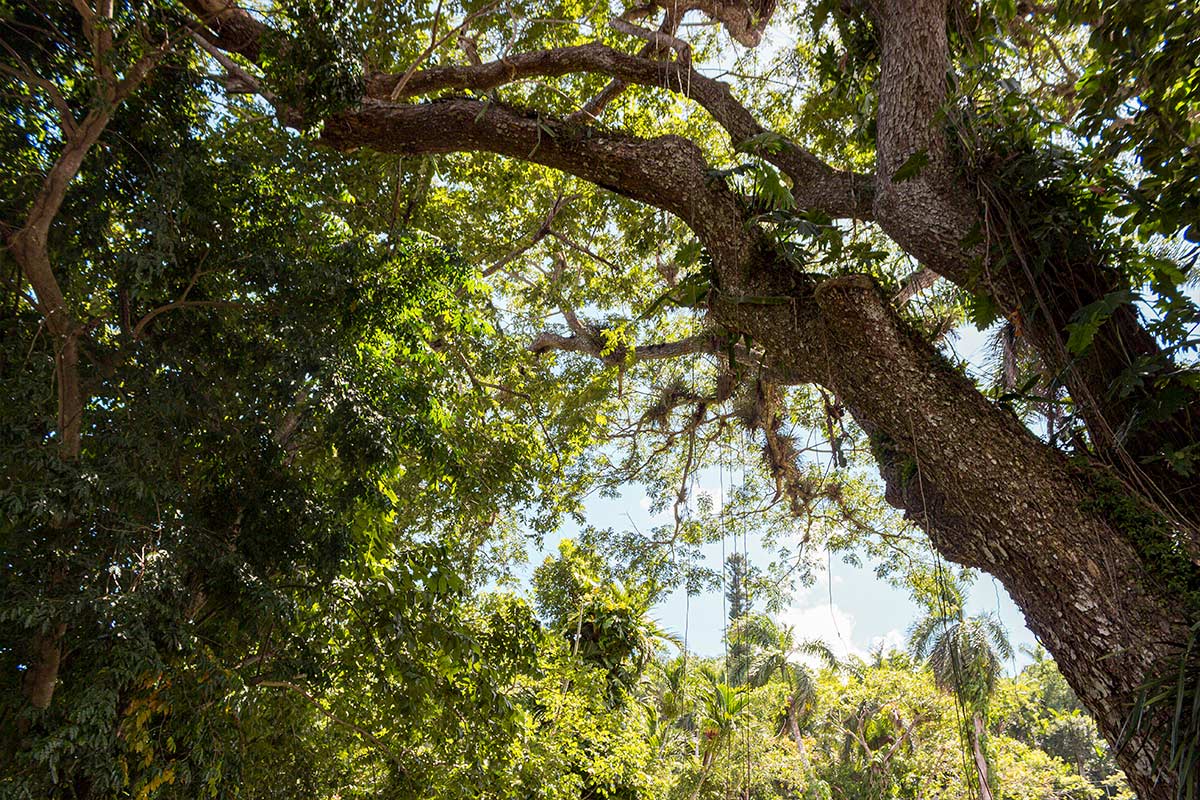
<point>848,607</point>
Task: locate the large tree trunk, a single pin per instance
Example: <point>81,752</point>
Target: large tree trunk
<point>933,217</point>
<point>1074,548</point>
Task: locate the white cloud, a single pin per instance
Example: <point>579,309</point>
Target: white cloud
<point>835,626</point>
<point>892,640</point>
<point>661,518</point>
<point>827,623</point>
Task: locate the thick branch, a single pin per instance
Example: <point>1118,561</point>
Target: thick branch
<point>233,29</point>
<point>668,172</point>
<point>816,185</point>
<point>989,494</point>
<point>932,215</point>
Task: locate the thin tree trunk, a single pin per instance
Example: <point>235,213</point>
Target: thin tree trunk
<point>801,750</point>
<point>30,248</point>
<point>981,766</point>
<point>45,653</point>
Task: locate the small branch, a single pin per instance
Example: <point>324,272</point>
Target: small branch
<point>175,306</point>
<point>908,730</point>
<point>579,248</point>
<point>435,43</point>
<point>67,120</point>
<point>361,731</point>
<point>700,343</point>
<point>659,40</point>
<point>914,284</point>
<point>246,82</point>
<point>539,234</point>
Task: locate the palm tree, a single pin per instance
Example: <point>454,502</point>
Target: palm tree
<point>721,712</point>
<point>669,702</point>
<point>965,655</point>
<point>769,649</point>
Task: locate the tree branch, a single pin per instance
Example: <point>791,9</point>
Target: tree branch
<point>916,282</point>
<point>66,118</point>
<point>542,232</point>
<point>816,185</point>
<point>668,172</point>
<point>233,29</point>
<point>579,343</point>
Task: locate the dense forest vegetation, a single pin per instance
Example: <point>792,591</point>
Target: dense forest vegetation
<point>321,319</point>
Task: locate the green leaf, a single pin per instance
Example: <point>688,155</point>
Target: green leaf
<point>1087,321</point>
<point>912,167</point>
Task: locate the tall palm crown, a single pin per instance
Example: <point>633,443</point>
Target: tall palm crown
<point>768,649</point>
<point>964,653</point>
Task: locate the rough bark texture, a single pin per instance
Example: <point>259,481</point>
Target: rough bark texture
<point>933,214</point>
<point>989,494</point>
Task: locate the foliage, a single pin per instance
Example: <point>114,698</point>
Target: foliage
<point>316,448</point>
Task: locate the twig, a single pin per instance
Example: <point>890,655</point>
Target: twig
<point>366,734</point>
<point>398,90</point>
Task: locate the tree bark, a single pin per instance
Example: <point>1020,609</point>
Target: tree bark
<point>989,493</point>
<point>45,653</point>
<point>932,216</point>
<point>981,765</point>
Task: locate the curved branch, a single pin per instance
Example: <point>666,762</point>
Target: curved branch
<point>668,172</point>
<point>816,185</point>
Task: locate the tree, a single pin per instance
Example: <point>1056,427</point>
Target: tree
<point>736,594</point>
<point>268,407</point>
<point>771,650</point>
<point>606,624</point>
<point>723,710</point>
<point>739,604</point>
<point>935,134</point>
<point>965,655</point>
